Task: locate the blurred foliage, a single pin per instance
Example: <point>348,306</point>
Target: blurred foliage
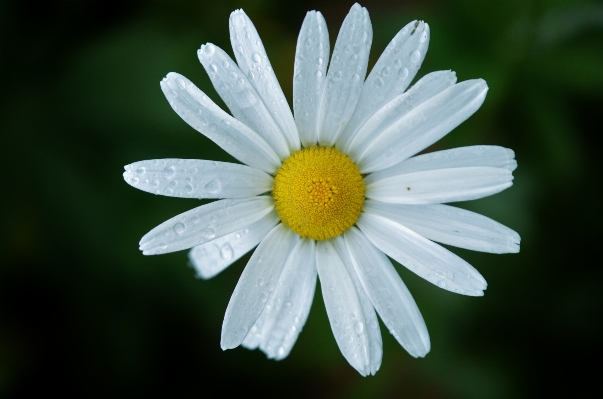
<point>84,314</point>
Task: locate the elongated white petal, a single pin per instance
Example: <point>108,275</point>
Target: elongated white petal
<point>192,178</point>
<point>422,256</point>
<point>372,324</point>
<point>212,257</point>
<point>253,61</point>
<point>256,284</point>
<point>286,312</point>
<point>343,307</point>
<point>424,125</point>
<point>440,185</point>
<point>394,110</point>
<point>346,75</point>
<point>206,117</point>
<point>389,295</point>
<point>450,225</point>
<point>204,223</point>
<point>461,157</point>
<point>311,59</point>
<point>391,75</point>
<point>241,97</point>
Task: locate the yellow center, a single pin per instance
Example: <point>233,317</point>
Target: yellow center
<point>318,192</point>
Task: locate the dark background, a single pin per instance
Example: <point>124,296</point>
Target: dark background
<point>84,314</point>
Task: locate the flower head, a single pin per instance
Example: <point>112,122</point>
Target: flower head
<point>331,191</point>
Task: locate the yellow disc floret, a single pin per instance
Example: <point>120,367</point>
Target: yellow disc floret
<point>318,192</point>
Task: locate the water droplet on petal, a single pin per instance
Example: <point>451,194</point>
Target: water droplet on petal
<point>355,78</point>
<point>226,252</point>
<point>213,68</point>
<point>209,49</point>
<point>213,187</point>
<point>359,327</point>
<point>256,58</point>
<point>181,83</point>
<point>318,74</point>
<point>179,228</point>
<point>415,56</point>
<point>403,73</point>
<point>208,233</point>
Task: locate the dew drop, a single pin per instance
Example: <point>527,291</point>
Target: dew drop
<point>179,228</point>
<point>308,42</point>
<point>256,58</point>
<point>251,75</point>
<point>209,49</point>
<point>239,48</point>
<point>226,252</point>
<point>318,74</point>
<point>188,188</point>
<point>319,61</point>
<point>280,351</point>
<point>379,82</point>
<point>155,183</point>
<point>359,327</point>
<point>168,191</point>
<point>208,233</point>
<point>337,75</point>
<point>287,304</point>
<point>385,71</point>
<point>402,73</point>
<point>213,68</point>
<point>415,56</point>
<point>134,181</point>
<point>213,187</point>
<point>397,63</point>
<point>442,284</point>
<point>232,75</point>
<point>181,83</point>
<point>261,282</point>
<point>140,171</point>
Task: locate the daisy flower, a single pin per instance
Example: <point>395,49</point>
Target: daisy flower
<point>331,190</point>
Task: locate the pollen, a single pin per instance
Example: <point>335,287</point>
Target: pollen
<point>318,192</point>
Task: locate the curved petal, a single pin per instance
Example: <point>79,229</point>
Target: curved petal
<point>372,324</point>
<point>346,75</point>
<point>193,178</point>
<point>450,225</point>
<point>391,75</point>
<point>461,157</point>
<point>206,117</point>
<point>256,284</point>
<point>421,256</point>
<point>390,113</point>
<point>212,257</point>
<point>285,314</point>
<point>253,61</point>
<point>424,125</point>
<point>240,97</point>
<point>343,307</point>
<point>440,185</point>
<point>311,59</point>
<point>204,224</point>
<point>389,295</point>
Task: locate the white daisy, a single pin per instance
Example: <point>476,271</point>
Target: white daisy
<point>331,191</point>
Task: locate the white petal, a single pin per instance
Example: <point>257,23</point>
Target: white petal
<point>206,117</point>
<point>286,312</point>
<point>204,224</point>
<point>241,97</point>
<point>372,324</point>
<point>424,125</point>
<point>440,185</point>
<point>212,257</point>
<point>343,307</point>
<point>389,295</point>
<point>450,225</point>
<point>253,61</point>
<point>392,73</point>
<point>310,70</point>
<point>346,75</point>
<point>256,284</point>
<point>461,157</point>
<point>391,112</point>
<point>192,178</point>
<point>421,256</point>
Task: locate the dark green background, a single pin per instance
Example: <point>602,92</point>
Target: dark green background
<point>84,314</point>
